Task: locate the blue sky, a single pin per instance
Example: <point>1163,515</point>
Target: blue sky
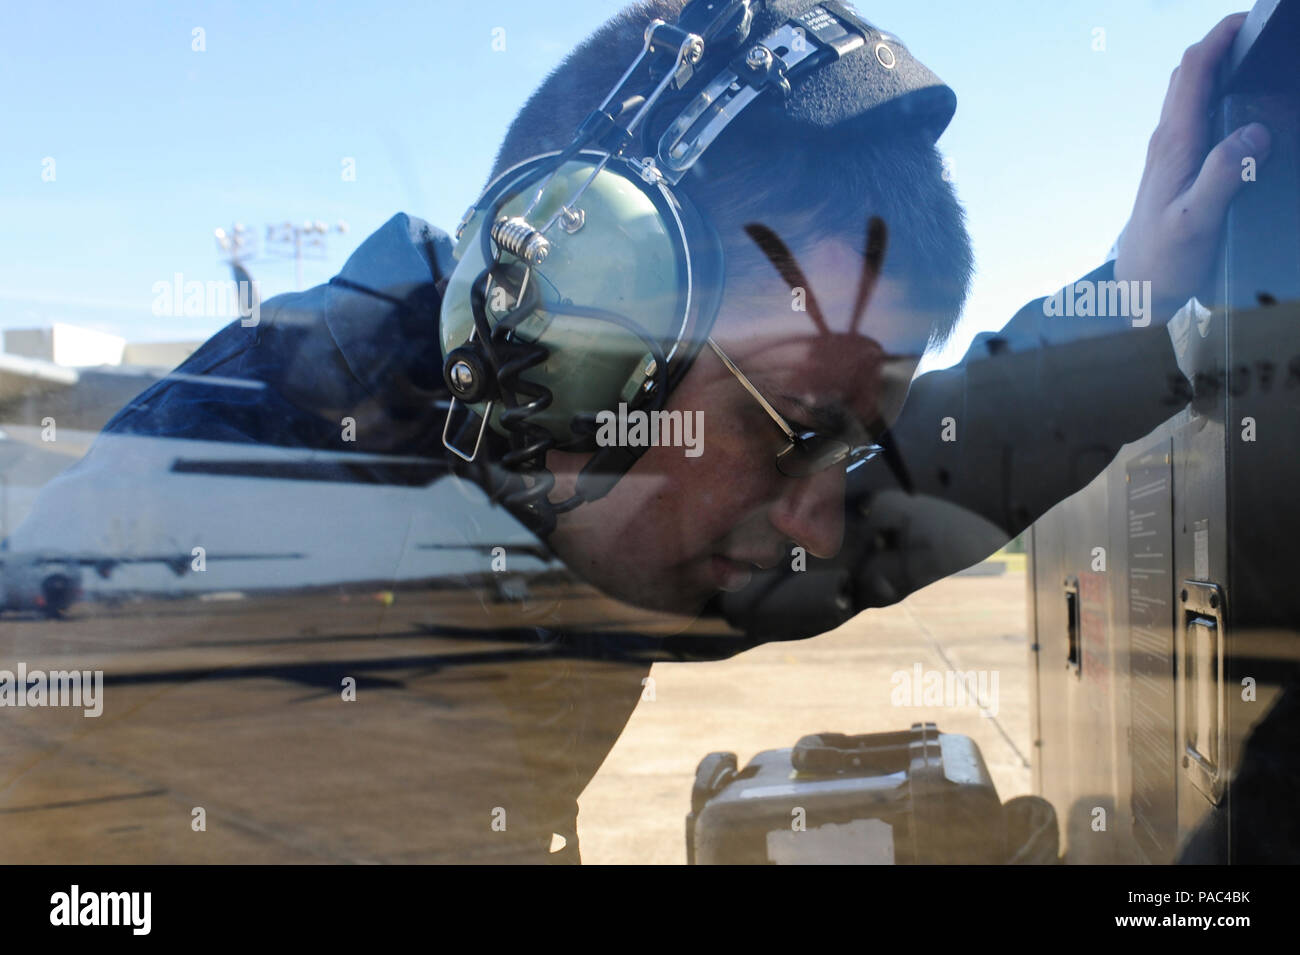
<point>155,144</point>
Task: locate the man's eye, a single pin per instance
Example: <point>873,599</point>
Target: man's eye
<point>794,418</point>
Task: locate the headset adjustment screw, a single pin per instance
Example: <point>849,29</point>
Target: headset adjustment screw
<point>462,375</point>
<point>571,220</point>
<point>466,376</point>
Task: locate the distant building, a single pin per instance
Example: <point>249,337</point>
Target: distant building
<point>76,379</point>
<point>78,376</point>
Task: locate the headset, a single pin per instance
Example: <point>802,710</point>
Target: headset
<point>585,279</point>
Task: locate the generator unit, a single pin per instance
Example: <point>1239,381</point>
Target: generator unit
<point>912,797</point>
<point>1164,606</point>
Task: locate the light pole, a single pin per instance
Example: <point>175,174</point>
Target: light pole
<point>295,238</point>
<point>238,244</point>
<point>299,240</point>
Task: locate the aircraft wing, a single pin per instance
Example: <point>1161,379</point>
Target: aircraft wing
<point>536,551</point>
<point>177,562</point>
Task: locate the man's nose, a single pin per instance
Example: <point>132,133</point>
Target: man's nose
<point>810,512</point>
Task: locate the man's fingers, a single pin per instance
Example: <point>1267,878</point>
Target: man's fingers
<point>1192,85</point>
<point>1167,107</point>
<point>1181,137</point>
<point>1202,208</point>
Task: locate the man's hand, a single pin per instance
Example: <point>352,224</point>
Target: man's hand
<point>1173,234</point>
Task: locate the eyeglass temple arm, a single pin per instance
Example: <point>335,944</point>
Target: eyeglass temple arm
<point>740,376</point>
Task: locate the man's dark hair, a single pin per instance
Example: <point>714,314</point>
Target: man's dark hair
<point>805,186</point>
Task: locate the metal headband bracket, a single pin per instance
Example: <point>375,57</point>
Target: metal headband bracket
<point>802,43</point>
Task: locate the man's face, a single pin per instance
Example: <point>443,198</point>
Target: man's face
<point>677,529</point>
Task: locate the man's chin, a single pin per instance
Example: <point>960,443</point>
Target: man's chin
<point>678,607</point>
<point>674,605</point>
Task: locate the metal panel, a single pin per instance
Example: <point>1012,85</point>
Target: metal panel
<point>1151,642</point>
<point>1201,610</point>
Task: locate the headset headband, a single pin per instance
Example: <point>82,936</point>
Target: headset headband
<point>706,31</point>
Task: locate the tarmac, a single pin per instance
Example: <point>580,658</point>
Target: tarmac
<point>843,681</point>
<point>225,736</point>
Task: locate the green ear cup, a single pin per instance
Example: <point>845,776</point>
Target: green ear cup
<point>623,252</point>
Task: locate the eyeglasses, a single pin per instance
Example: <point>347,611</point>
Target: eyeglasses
<point>807,452</point>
